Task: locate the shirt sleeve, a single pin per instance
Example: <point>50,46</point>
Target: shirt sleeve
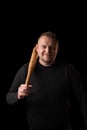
<point>78,93</point>
<point>19,79</point>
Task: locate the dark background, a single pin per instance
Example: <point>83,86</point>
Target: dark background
<point>23,27</point>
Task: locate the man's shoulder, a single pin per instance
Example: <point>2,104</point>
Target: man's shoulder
<point>64,64</point>
<point>25,64</point>
<point>24,67</point>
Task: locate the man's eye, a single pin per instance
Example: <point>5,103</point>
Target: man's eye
<point>53,48</point>
<point>44,47</point>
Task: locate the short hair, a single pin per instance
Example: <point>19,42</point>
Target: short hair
<point>50,35</point>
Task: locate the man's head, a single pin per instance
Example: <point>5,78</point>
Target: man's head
<point>47,48</point>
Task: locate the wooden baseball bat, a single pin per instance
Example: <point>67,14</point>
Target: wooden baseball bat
<point>31,65</point>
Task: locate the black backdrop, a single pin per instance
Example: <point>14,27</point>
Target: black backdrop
<point>22,30</point>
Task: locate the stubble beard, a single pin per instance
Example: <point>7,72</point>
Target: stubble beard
<point>46,61</point>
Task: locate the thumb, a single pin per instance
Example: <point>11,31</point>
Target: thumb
<point>29,86</point>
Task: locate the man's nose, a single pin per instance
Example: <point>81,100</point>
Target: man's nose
<point>48,49</point>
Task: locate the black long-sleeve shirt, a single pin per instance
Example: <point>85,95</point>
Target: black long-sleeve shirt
<point>55,90</point>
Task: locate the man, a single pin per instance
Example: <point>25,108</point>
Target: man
<point>55,87</point>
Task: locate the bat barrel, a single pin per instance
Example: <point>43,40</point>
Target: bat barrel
<point>32,64</point>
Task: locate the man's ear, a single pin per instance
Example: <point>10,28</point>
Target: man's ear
<point>57,48</point>
<point>36,46</point>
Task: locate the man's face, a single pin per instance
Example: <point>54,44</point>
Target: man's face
<point>47,50</point>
